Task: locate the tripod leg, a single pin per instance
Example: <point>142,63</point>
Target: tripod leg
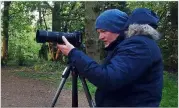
<point>65,75</point>
<point>58,92</point>
<point>87,93</point>
<point>74,90</point>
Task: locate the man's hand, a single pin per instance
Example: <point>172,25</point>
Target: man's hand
<point>65,49</point>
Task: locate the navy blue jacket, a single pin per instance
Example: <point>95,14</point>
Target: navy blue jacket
<point>131,76</point>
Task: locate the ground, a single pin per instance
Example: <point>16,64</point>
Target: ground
<point>26,92</point>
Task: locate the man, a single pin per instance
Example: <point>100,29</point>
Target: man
<point>131,75</point>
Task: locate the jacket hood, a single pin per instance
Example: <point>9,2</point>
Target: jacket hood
<point>143,16</point>
<point>142,29</point>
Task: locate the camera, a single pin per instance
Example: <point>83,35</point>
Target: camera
<point>75,38</point>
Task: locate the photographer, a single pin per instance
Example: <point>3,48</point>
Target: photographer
<point>131,75</point>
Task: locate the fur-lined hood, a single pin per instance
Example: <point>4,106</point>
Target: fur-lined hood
<point>142,29</point>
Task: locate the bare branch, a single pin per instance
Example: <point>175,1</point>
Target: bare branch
<point>45,2</point>
<point>43,13</point>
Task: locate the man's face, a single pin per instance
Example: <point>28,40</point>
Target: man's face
<point>106,36</point>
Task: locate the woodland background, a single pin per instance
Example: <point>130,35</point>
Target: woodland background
<point>21,19</point>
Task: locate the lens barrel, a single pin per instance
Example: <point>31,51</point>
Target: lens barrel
<point>74,38</point>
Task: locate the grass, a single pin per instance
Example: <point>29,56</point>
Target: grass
<point>50,77</point>
<point>170,89</point>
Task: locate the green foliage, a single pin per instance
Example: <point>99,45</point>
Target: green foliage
<point>170,91</point>
<point>92,88</point>
<point>22,45</point>
<point>76,19</point>
<point>24,21</point>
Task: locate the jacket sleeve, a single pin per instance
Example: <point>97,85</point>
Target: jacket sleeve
<point>131,60</point>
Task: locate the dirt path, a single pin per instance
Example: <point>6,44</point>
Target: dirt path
<point>26,92</point>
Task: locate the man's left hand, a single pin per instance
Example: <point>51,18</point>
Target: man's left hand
<point>65,49</point>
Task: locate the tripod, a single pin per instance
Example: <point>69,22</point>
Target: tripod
<point>75,75</point>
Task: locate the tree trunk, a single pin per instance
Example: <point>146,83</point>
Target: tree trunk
<point>43,52</point>
<point>173,61</point>
<point>92,47</point>
<point>5,33</point>
<point>56,26</point>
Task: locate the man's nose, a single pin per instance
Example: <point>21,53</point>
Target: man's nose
<point>101,37</point>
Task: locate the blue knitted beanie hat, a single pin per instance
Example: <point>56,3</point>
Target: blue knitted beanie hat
<point>143,16</point>
<point>112,20</point>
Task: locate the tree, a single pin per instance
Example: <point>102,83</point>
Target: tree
<point>5,32</point>
<point>90,32</point>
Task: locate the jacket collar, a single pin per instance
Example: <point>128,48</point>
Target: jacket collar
<point>112,45</point>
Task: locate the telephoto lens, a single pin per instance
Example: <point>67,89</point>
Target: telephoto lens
<point>74,38</point>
